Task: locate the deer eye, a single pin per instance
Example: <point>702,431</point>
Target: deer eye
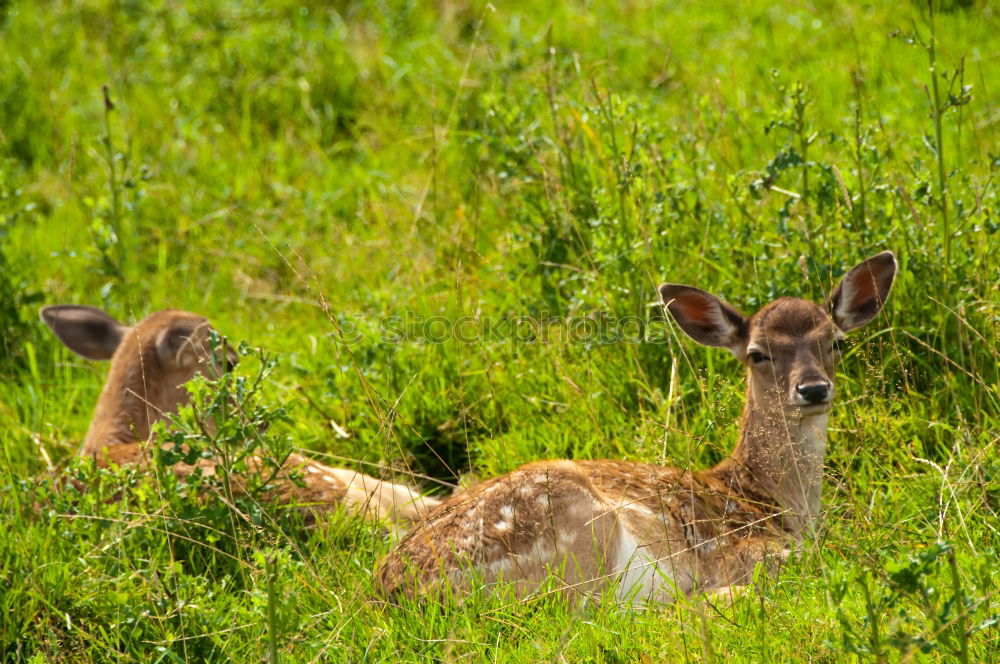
<point>757,357</point>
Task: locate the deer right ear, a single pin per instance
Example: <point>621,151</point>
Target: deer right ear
<point>704,317</point>
<point>177,347</point>
<point>86,331</point>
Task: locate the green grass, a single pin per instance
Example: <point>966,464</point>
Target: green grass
<point>400,161</point>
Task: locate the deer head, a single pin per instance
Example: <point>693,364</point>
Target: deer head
<point>790,348</point>
<point>150,363</point>
<point>791,345</point>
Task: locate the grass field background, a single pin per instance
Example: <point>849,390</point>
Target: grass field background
<point>446,221</point>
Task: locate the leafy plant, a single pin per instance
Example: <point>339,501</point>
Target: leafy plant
<point>918,605</point>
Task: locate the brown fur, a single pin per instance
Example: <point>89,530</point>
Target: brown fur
<point>151,362</point>
<point>656,532</point>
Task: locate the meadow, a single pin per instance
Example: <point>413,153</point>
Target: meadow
<point>440,226</point>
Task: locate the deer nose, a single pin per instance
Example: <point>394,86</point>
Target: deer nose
<point>814,392</point>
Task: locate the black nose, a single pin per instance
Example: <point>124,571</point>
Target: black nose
<point>814,393</point>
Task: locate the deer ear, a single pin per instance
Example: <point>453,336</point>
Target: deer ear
<point>704,317</point>
<point>86,331</point>
<point>177,347</point>
<point>861,294</point>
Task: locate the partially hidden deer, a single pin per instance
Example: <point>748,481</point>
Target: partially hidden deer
<point>650,532</point>
<point>150,363</point>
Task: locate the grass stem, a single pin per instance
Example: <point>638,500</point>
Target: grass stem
<point>937,112</point>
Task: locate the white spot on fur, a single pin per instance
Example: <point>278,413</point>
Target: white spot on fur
<point>501,526</point>
<point>565,539</point>
<point>507,512</point>
<point>540,553</point>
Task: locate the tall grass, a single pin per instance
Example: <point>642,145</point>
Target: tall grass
<point>345,185</point>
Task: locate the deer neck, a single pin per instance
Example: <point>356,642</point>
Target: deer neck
<point>781,452</point>
<point>132,400</point>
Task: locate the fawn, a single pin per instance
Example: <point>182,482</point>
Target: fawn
<point>660,532</point>
<point>150,363</point>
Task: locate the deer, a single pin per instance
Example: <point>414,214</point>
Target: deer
<point>150,363</point>
<point>650,533</point>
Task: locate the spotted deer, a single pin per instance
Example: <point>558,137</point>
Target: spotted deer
<point>649,532</point>
<point>150,363</point>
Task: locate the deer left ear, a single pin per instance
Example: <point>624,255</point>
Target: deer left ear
<point>862,293</point>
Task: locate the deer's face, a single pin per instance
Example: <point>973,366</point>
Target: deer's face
<point>791,350</point>
<point>791,345</point>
